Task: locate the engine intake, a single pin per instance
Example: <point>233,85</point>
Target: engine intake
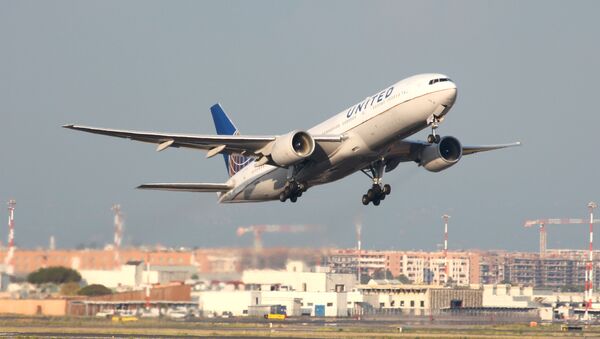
<point>438,157</point>
<point>291,148</point>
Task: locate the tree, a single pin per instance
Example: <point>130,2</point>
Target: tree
<point>364,278</point>
<point>404,279</point>
<point>69,288</point>
<point>382,274</point>
<point>57,275</point>
<point>450,282</point>
<point>94,290</point>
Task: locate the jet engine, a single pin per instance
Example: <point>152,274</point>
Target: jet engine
<point>291,148</point>
<point>438,157</point>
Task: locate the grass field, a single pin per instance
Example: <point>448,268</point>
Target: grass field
<point>37,327</point>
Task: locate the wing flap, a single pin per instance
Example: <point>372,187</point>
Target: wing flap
<point>187,187</point>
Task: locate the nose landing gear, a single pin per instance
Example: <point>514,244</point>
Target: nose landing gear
<point>435,123</point>
<point>377,192</point>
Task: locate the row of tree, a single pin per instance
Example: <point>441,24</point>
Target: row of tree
<point>69,279</point>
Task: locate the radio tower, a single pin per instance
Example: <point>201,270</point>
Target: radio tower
<point>446,268</point>
<point>11,237</point>
<point>118,233</point>
<point>589,268</point>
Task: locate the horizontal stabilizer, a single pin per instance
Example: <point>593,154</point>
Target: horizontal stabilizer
<point>187,187</point>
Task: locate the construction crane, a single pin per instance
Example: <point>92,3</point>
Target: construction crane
<point>556,221</point>
<point>258,230</point>
<point>589,263</point>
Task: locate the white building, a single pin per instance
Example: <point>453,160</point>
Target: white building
<point>298,277</point>
<point>129,275</point>
<point>505,295</point>
<point>166,274</point>
<point>328,304</point>
<point>418,299</point>
<point>298,289</point>
<point>220,302</point>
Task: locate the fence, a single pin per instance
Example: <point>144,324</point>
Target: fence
<point>466,316</point>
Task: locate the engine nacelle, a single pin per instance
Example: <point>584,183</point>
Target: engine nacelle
<point>438,157</point>
<point>292,148</point>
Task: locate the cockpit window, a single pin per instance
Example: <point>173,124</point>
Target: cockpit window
<point>433,81</point>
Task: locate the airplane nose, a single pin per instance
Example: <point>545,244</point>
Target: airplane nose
<point>449,97</point>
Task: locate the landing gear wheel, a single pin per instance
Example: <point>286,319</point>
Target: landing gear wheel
<point>365,200</point>
<point>293,190</point>
<point>376,202</point>
<point>371,194</point>
<point>381,196</point>
<point>376,188</point>
<point>387,189</point>
<point>431,138</point>
<point>438,138</point>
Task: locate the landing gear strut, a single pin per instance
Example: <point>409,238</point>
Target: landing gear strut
<point>378,191</point>
<point>433,137</point>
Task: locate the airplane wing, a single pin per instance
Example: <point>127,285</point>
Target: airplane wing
<point>187,187</point>
<point>484,148</point>
<point>408,150</point>
<point>214,144</point>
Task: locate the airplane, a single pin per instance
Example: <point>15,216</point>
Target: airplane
<point>369,136</point>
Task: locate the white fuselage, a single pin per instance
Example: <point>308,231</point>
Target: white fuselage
<point>369,128</point>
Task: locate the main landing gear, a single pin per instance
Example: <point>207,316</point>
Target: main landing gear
<point>293,190</point>
<point>378,191</point>
<point>433,137</point>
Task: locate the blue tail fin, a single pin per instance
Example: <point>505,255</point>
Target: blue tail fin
<point>233,162</point>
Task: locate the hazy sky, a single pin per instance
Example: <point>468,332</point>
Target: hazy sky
<point>525,70</point>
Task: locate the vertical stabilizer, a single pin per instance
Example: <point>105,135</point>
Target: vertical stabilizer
<point>224,126</point>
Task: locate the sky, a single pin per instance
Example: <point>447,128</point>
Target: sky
<point>526,71</point>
